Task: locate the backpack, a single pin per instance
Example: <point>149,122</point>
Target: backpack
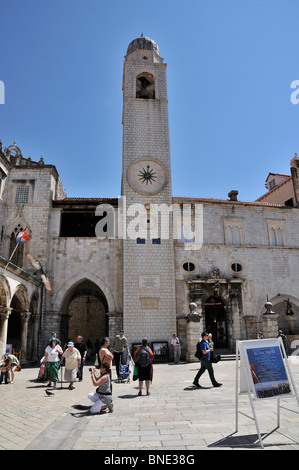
<point>198,353</point>
<point>144,358</point>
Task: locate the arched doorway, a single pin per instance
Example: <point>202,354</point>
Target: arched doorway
<point>215,316</point>
<point>85,308</point>
<point>14,330</point>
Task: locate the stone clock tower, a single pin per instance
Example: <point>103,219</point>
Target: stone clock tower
<point>149,307</point>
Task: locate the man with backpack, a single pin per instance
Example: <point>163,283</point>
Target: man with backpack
<point>203,352</point>
<point>144,357</point>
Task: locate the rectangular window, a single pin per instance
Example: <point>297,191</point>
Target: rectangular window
<point>22,195</point>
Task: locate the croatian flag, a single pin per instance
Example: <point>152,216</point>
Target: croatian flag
<point>22,236</point>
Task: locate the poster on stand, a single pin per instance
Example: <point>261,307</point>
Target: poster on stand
<point>266,369</point>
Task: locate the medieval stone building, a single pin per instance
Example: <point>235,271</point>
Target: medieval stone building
<point>140,260</point>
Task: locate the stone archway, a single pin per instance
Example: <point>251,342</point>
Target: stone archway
<point>14,331</point>
<point>84,313</point>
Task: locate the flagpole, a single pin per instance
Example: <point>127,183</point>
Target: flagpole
<point>12,255</point>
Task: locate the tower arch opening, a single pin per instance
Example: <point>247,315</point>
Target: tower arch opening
<point>145,86</point>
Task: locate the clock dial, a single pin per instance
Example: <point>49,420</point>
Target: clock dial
<point>147,176</point>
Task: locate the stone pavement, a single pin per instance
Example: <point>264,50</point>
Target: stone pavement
<point>176,416</point>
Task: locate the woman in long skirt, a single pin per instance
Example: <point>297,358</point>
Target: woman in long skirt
<point>52,362</point>
<point>72,363</point>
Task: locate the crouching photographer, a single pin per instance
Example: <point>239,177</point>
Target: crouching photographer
<point>102,398</point>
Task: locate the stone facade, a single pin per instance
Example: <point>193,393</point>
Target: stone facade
<point>99,284</point>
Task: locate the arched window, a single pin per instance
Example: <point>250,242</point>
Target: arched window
<point>237,238</point>
<point>229,233</point>
<point>145,86</point>
<point>276,232</point>
<point>187,234</point>
<point>276,237</point>
<point>233,231</point>
<point>279,237</point>
<point>273,237</point>
<point>18,252</point>
<point>233,235</point>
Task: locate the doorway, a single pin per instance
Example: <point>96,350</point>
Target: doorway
<point>215,316</point>
<point>14,330</point>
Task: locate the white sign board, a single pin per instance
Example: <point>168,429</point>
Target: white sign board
<point>264,373</point>
<point>265,369</point>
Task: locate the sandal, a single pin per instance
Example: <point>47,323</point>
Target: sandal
<point>148,393</point>
<point>139,393</point>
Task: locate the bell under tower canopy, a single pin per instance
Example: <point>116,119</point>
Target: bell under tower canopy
<point>143,43</point>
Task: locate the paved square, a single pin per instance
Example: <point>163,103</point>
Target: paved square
<point>176,416</point>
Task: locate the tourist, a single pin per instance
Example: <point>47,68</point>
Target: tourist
<point>52,362</point>
<point>176,348</point>
<point>72,359</point>
<point>105,354</point>
<point>13,364</point>
<point>54,335</point>
<point>144,358</point>
<point>102,398</point>
<point>83,351</point>
<point>120,350</point>
<point>205,362</point>
<point>4,369</point>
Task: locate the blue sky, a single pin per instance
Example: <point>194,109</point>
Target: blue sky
<point>230,65</point>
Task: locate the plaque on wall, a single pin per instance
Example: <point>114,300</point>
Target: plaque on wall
<point>149,282</point>
<point>149,303</point>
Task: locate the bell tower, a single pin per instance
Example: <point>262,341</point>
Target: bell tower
<point>149,307</point>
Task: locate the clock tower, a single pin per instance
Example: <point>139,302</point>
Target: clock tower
<point>149,306</point>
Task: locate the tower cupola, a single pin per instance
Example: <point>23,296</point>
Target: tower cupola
<point>143,43</point>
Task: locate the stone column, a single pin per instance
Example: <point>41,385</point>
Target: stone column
<point>250,326</point>
<point>35,336</point>
<point>193,333</point>
<point>25,319</point>
<point>4,315</point>
<point>182,334</point>
<point>115,323</point>
<point>236,330</point>
<point>270,326</point>
<point>270,323</point>
<point>291,321</point>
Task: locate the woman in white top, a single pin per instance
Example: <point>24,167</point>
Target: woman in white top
<point>52,361</point>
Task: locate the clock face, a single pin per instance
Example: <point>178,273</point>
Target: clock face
<point>147,176</point>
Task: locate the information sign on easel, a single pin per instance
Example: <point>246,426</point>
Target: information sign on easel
<point>264,374</point>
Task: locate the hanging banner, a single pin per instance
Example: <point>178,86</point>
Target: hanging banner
<point>266,369</point>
